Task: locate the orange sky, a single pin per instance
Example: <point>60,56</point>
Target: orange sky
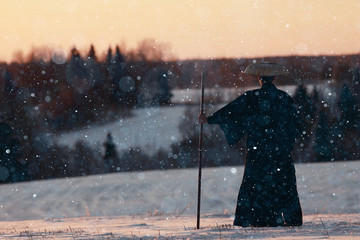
<point>192,28</point>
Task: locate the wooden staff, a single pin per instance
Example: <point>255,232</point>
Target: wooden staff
<point>200,150</point>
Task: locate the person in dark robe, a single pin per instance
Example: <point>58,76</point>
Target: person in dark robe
<point>267,116</point>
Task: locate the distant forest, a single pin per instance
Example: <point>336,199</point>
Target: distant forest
<point>51,92</point>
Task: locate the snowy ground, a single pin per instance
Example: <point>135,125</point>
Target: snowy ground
<point>329,226</point>
<point>150,129</point>
<point>163,204</point>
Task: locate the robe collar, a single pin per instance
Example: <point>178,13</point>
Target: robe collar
<point>267,86</point>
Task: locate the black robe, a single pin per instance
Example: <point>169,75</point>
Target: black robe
<point>268,195</point>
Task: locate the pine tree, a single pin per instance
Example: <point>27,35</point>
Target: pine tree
<point>11,169</point>
<point>348,126</point>
<point>92,54</point>
<point>323,140</point>
<point>165,91</point>
<point>117,71</point>
<point>111,159</point>
<point>9,97</point>
<point>118,65</point>
<point>107,89</point>
<point>76,72</point>
<point>349,112</point>
<point>83,160</point>
<point>315,101</point>
<point>356,84</point>
<point>9,87</point>
<point>109,61</point>
<point>119,57</point>
<point>306,110</point>
<point>109,57</point>
<point>93,68</point>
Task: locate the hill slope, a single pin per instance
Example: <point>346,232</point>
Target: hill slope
<point>323,188</point>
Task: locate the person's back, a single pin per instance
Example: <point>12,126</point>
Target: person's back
<point>270,173</point>
<point>273,125</point>
<point>267,116</point>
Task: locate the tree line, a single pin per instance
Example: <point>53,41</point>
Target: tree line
<point>39,96</point>
<point>330,133</point>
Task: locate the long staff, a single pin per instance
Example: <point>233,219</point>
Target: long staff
<point>200,150</point>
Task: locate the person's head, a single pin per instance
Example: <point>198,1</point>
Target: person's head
<point>266,79</point>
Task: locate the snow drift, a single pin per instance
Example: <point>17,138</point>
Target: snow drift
<point>323,188</point>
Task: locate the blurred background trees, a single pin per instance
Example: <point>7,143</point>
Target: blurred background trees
<point>53,91</point>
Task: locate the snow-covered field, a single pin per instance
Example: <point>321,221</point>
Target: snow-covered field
<point>149,129</point>
<point>162,204</point>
